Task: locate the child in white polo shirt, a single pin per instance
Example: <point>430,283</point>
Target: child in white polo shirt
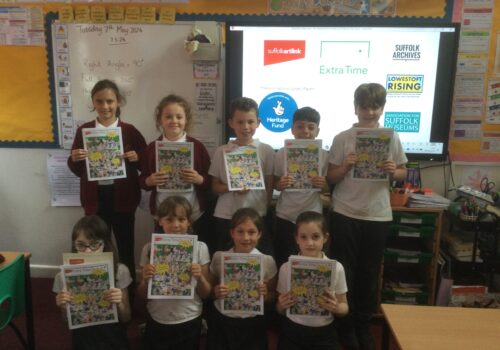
<point>306,332</point>
<point>291,203</point>
<point>175,323</point>
<point>247,331</point>
<point>244,120</point>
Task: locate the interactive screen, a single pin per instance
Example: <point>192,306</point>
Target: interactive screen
<point>285,68</point>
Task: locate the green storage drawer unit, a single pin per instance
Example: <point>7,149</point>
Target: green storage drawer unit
<point>411,255</point>
<point>390,296</point>
<point>398,230</point>
<point>402,258</point>
<point>415,218</point>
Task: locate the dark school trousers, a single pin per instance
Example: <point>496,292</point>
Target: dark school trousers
<point>222,235</point>
<point>359,246</point>
<point>185,335</point>
<point>231,333</point>
<point>295,336</point>
<point>110,336</point>
<point>284,240</point>
<point>122,225</point>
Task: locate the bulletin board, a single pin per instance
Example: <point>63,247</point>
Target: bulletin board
<point>26,114</point>
<point>470,149</point>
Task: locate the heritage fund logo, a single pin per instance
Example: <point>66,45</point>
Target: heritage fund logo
<point>406,52</point>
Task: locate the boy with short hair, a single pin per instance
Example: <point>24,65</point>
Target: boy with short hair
<point>291,203</point>
<point>360,216</point>
<point>244,120</point>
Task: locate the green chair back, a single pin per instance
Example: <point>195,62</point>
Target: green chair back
<point>12,301</point>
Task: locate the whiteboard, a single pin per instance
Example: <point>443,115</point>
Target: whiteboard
<point>148,62</point>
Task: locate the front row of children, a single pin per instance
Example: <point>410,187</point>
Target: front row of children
<point>176,324</point>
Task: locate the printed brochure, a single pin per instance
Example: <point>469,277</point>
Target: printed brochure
<point>85,258</point>
<point>171,158</point>
<point>372,149</point>
<point>172,255</point>
<point>105,153</point>
<point>309,278</point>
<point>302,162</point>
<point>243,169</point>
<point>242,274</point>
<point>87,284</point>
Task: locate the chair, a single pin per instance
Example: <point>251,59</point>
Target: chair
<point>12,295</point>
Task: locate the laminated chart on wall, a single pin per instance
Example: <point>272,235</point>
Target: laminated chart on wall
<point>475,124</point>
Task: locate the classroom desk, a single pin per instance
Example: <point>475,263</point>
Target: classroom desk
<point>30,330</point>
<point>417,327</point>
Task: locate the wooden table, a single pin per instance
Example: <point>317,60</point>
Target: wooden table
<point>432,327</point>
<point>30,330</point>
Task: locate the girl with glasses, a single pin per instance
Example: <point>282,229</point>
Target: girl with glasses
<point>92,235</point>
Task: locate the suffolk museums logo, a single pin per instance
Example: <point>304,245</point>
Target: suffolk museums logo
<point>279,51</point>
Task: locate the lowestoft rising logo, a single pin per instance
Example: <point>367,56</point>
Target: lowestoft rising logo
<point>405,83</point>
<point>278,51</point>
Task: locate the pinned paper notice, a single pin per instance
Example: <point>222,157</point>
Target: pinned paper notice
<point>116,14</point>
<point>82,14</point>
<point>132,14</point>
<point>66,14</point>
<point>148,14</point>
<point>167,15</point>
<point>98,14</point>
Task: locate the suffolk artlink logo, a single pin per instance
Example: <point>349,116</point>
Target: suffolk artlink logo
<point>279,51</point>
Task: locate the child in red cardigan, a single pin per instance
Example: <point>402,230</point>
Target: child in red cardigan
<point>173,117</point>
<point>115,201</point>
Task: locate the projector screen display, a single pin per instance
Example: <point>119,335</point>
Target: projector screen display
<point>285,68</point>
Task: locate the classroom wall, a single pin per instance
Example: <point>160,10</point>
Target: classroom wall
<point>29,223</point>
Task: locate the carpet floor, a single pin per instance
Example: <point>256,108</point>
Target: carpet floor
<point>51,333</point>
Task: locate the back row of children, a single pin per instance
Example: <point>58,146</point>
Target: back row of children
<point>360,210</point>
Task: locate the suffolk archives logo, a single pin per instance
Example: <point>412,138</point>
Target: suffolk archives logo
<point>406,52</point>
<point>279,51</point>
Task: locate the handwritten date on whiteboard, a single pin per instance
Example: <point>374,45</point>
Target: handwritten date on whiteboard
<point>117,40</point>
